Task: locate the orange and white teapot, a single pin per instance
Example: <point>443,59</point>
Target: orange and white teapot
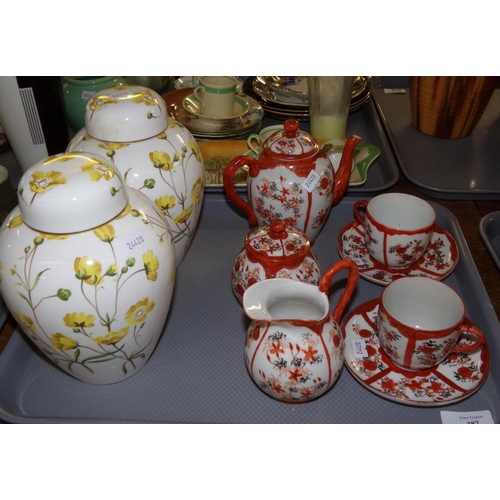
<point>291,179</point>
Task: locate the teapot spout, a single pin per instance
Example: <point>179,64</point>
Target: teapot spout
<point>344,172</point>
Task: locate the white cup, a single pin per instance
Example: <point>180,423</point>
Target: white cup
<point>420,321</point>
<point>216,95</point>
<point>256,141</point>
<point>397,228</point>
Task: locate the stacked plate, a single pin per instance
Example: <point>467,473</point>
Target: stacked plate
<point>285,97</point>
<point>247,118</point>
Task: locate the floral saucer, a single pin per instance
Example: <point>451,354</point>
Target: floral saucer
<point>439,260</point>
<point>191,105</point>
<point>454,379</point>
<point>289,86</point>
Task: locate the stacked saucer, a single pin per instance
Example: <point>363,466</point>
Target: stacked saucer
<point>246,119</point>
<point>284,97</point>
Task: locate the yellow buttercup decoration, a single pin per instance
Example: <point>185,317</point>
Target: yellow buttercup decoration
<point>106,233</point>
<point>165,202</point>
<point>98,170</point>
<point>79,320</point>
<point>98,101</point>
<point>151,265</point>
<point>88,270</point>
<point>112,337</point>
<point>146,97</point>
<point>138,312</point>
<point>197,191</point>
<point>63,342</point>
<point>162,160</point>
<point>43,181</point>
<point>24,321</point>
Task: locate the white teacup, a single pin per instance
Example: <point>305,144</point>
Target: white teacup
<point>397,228</point>
<point>256,141</point>
<point>216,95</point>
<point>420,321</point>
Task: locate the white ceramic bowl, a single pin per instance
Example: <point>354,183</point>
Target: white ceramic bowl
<point>71,192</point>
<point>141,114</point>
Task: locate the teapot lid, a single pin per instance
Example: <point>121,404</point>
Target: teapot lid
<point>69,193</point>
<point>277,241</point>
<point>291,141</point>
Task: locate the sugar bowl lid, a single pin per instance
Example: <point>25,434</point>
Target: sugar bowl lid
<point>291,141</point>
<point>125,114</point>
<point>277,241</point>
<point>70,192</point>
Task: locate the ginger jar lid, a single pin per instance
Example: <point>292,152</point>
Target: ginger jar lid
<point>70,192</point>
<point>291,141</point>
<point>277,241</point>
<point>125,114</point>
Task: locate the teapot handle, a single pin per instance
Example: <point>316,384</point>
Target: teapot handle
<point>352,280</point>
<point>227,178</point>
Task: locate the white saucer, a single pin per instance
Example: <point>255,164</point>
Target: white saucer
<point>192,105</point>
<point>454,379</point>
<point>439,260</point>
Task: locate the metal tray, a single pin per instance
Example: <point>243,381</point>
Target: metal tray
<point>464,168</point>
<point>489,229</point>
<point>197,373</point>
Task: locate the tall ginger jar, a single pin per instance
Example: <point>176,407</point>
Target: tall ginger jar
<point>87,267</point>
<point>154,153</point>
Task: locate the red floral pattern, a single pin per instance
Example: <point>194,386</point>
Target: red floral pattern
<point>438,261</point>
<point>291,370</point>
<point>454,379</point>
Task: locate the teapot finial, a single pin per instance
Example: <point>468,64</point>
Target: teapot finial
<point>291,127</point>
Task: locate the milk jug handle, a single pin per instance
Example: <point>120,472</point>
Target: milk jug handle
<point>324,284</point>
<point>231,193</point>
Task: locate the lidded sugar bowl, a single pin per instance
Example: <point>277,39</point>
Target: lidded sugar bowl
<point>87,267</point>
<point>275,250</point>
<point>155,154</point>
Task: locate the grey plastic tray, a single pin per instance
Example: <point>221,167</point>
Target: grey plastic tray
<point>464,168</point>
<point>489,229</point>
<point>365,123</point>
<point>197,372</point>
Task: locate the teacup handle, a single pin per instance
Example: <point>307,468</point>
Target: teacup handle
<point>324,284</point>
<point>199,89</point>
<point>360,204</point>
<point>471,347</point>
<point>251,139</point>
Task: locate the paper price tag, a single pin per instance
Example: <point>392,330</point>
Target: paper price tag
<point>311,181</point>
<point>120,93</point>
<point>359,348</point>
<point>87,94</point>
<point>394,91</point>
<point>134,241</point>
<point>466,417</point>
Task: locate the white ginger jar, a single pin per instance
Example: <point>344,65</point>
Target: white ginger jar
<point>87,267</point>
<point>154,153</point>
